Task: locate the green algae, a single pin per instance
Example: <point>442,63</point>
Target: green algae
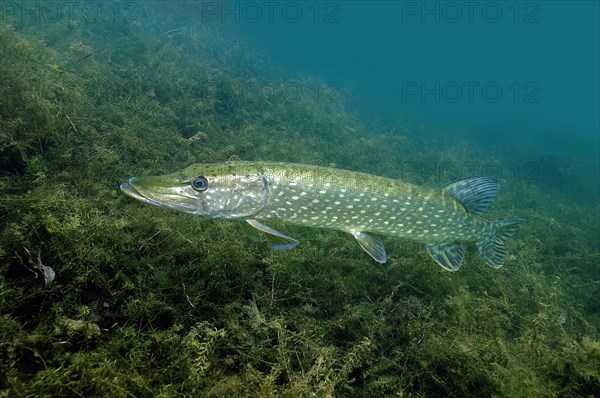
<point>148,302</point>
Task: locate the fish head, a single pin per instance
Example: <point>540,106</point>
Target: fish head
<point>231,190</point>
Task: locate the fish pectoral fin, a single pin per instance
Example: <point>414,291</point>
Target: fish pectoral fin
<point>449,255</point>
<point>372,245</point>
<point>275,239</point>
<point>251,231</point>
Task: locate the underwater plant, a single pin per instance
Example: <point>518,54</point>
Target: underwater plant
<point>146,302</point>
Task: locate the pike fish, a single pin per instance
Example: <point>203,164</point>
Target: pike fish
<point>363,205</point>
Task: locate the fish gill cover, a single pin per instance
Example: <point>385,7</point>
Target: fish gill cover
<point>101,295</point>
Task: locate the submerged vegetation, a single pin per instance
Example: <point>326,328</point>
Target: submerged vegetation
<point>150,302</point>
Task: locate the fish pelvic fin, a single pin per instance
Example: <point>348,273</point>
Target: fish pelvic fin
<point>276,240</point>
<point>493,249</point>
<point>372,245</point>
<point>448,256</point>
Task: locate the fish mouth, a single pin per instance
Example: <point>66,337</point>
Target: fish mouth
<point>172,201</point>
<point>129,190</point>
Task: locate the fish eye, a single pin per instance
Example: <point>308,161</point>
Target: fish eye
<point>200,184</point>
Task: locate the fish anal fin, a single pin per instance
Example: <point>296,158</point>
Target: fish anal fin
<point>493,250</point>
<point>275,239</point>
<point>449,255</point>
<point>476,194</point>
<point>372,245</point>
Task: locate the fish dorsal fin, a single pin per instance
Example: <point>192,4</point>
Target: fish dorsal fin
<point>449,255</point>
<point>234,158</point>
<point>372,245</point>
<point>275,239</point>
<point>475,193</point>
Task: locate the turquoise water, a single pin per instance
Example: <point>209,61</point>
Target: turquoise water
<point>497,70</point>
<point>101,295</point>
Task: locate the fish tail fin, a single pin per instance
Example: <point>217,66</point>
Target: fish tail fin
<point>492,249</point>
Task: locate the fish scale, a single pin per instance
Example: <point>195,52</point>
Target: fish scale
<point>357,203</point>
